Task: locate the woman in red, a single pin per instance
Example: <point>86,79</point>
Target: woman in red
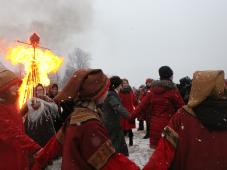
<point>195,137</point>
<point>164,99</point>
<point>128,100</point>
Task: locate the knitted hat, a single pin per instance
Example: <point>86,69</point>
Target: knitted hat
<point>165,72</point>
<point>88,84</point>
<point>115,82</point>
<point>7,78</point>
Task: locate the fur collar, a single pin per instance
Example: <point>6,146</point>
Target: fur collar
<point>166,84</point>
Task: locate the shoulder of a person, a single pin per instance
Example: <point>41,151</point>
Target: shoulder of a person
<point>113,96</point>
<point>82,115</point>
<point>180,115</point>
<point>112,93</point>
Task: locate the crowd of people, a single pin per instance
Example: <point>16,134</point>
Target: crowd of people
<point>87,121</point>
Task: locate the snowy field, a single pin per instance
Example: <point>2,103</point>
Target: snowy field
<point>139,152</point>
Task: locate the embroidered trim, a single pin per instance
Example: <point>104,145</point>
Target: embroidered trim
<point>189,110</point>
<point>81,115</point>
<point>171,136</point>
<point>102,155</point>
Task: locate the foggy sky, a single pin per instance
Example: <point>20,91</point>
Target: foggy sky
<point>133,38</point>
<point>129,38</point>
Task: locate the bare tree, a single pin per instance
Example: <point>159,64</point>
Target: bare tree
<point>78,59</point>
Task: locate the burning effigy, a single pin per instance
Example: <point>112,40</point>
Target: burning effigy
<point>38,62</point>
<point>39,111</point>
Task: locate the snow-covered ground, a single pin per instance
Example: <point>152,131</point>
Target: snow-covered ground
<point>139,152</point>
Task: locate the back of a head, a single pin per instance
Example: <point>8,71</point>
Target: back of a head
<point>185,80</point>
<point>93,85</point>
<point>165,73</point>
<point>85,84</point>
<point>115,82</point>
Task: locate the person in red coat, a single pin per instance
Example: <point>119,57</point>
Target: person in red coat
<point>195,137</point>
<point>147,114</point>
<point>83,142</point>
<point>164,100</point>
<point>16,148</point>
<point>129,101</point>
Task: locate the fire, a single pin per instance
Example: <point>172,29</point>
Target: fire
<point>37,67</point>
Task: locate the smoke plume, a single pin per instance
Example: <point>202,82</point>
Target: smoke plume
<point>56,21</point>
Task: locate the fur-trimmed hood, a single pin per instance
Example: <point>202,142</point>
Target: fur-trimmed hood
<point>160,86</point>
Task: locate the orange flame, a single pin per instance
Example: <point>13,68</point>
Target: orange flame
<point>36,68</point>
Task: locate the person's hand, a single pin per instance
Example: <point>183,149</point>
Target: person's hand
<point>34,164</point>
<point>38,157</point>
<point>31,159</point>
<point>35,104</point>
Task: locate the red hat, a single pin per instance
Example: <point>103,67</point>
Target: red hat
<point>7,79</point>
<point>84,84</point>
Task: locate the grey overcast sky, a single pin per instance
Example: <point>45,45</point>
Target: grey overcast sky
<point>133,38</point>
<point>129,38</point>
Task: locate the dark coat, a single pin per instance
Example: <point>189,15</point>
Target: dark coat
<point>164,100</point>
<point>113,111</point>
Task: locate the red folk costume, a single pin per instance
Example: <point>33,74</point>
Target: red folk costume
<point>15,146</point>
<point>83,141</point>
<point>195,137</point>
<point>163,100</point>
<point>128,100</point>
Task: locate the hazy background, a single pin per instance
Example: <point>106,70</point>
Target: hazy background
<point>130,38</point>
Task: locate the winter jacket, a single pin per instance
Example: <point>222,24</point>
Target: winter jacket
<point>164,100</point>
<point>113,111</point>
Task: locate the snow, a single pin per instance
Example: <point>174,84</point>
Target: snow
<point>139,153</point>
